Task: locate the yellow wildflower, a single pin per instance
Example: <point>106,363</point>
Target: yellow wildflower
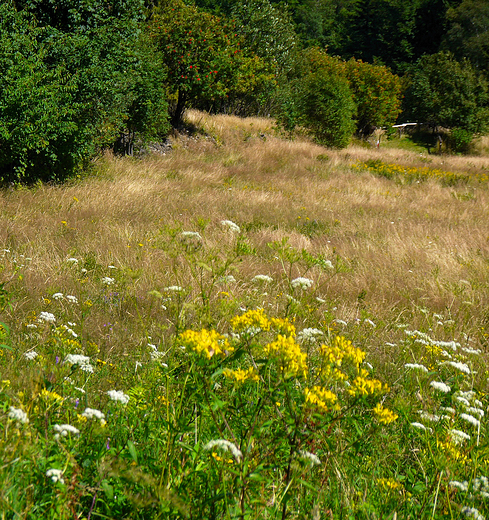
<point>206,342</point>
<point>384,415</point>
<point>283,326</point>
<point>292,359</point>
<point>241,375</point>
<point>321,398</point>
<point>362,386</point>
<point>251,321</point>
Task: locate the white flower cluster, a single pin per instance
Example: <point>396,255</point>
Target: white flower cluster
<point>262,278</point>
<point>309,457</point>
<point>227,279</point>
<point>56,475</point>
<point>107,280</point>
<point>234,228</point>
<point>62,430</point>
<point>416,366</point>
<point>92,413</point>
<point>472,512</point>
<point>309,335</point>
<point>16,414</point>
<point>459,366</point>
<point>458,437</point>
<point>46,317</point>
<point>420,426</point>
<point>32,354</point>
<point>118,396</point>
<point>301,283</point>
<point>82,361</point>
<point>225,446</point>
<point>174,288</point>
<point>441,387</point>
<point>190,235</point>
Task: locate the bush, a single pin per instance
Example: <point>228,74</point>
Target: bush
<point>321,103</point>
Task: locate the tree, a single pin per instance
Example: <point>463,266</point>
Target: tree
<point>202,53</point>
<point>449,93</point>
<point>68,72</point>
<point>468,33</point>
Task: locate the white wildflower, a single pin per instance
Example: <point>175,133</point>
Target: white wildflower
<point>111,267</point>
<point>472,512</point>
<point>478,403</point>
<point>58,296</point>
<point>107,280</point>
<point>429,416</point>
<point>447,409</point>
<point>459,366</point>
<point>476,411</point>
<point>262,278</point>
<point>458,436</point>
<point>32,354</point>
<point>469,394</point>
<point>370,322</point>
<point>309,334</point>
<point>301,283</point>
<point>320,300</point>
<point>226,446</point>
<point>391,344</point>
<point>56,475</point>
<point>118,396</point>
<point>64,429</point>
<point>16,414</point>
<point>416,366</point>
<point>31,326</point>
<point>420,426</point>
<point>340,322</point>
<point>92,413</point>
<point>72,260</point>
<point>47,317</point>
<point>71,298</point>
<point>82,361</point>
<point>463,486</point>
<point>310,457</point>
<point>227,279</point>
<point>470,419</point>
<point>462,400</point>
<point>70,331</point>
<point>174,288</point>
<point>234,228</point>
<point>192,235</point>
<point>442,387</point>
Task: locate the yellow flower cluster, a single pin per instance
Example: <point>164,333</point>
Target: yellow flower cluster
<point>451,451</point>
<point>292,359</point>
<point>363,386</point>
<point>409,173</point>
<point>342,349</point>
<point>389,484</point>
<point>254,320</point>
<point>206,342</point>
<point>283,326</point>
<point>384,415</point>
<point>240,375</point>
<point>323,399</point>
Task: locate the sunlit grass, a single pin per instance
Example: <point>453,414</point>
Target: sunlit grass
<point>247,327</point>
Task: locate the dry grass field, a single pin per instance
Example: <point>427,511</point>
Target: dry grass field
<point>403,249</point>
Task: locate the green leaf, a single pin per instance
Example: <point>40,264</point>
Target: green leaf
<point>132,451</point>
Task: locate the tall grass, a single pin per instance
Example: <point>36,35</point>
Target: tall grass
<point>247,327</point>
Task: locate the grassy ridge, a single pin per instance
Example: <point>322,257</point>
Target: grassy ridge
<point>374,292</point>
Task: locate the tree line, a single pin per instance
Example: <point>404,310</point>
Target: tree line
<point>78,75</point>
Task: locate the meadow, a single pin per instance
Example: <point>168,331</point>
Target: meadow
<point>249,327</point>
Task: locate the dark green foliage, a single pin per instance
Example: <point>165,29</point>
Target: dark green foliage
<point>322,103</point>
<point>70,74</point>
<point>443,91</point>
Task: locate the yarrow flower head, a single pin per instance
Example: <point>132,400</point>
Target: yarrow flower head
<point>71,298</point>
<point>262,278</point>
<point>16,414</point>
<point>118,396</point>
<point>309,457</point>
<point>458,436</point>
<point>416,366</point>
<point>58,296</point>
<point>56,475</point>
<point>107,280</point>
<point>234,228</point>
<point>301,283</point>
<point>64,429</point>
<point>47,317</point>
<point>92,413</point>
<point>32,354</point>
<point>459,366</point>
<point>82,361</point>
<point>225,446</point>
<point>441,387</point>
